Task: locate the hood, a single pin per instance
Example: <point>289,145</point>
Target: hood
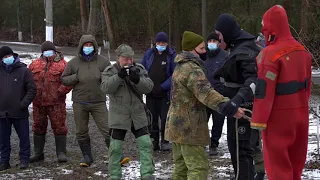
<point>16,64</point>
<point>186,56</point>
<point>230,29</point>
<point>87,38</point>
<point>275,25</point>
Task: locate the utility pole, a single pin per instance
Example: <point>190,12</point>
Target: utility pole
<point>49,20</point>
<point>204,17</point>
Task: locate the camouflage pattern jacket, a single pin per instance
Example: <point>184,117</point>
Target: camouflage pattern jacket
<point>191,92</point>
<point>47,76</point>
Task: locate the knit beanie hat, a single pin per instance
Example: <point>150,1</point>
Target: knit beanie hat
<point>214,36</point>
<point>191,40</point>
<point>162,37</point>
<point>47,45</point>
<point>4,51</point>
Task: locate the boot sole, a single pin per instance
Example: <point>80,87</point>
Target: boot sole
<point>125,161</point>
<point>84,165</point>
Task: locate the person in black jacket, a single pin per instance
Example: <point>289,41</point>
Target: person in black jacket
<point>239,74</point>
<point>16,93</point>
<point>215,59</point>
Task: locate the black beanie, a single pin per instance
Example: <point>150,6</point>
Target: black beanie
<point>4,51</point>
<point>47,45</point>
<point>213,35</point>
<point>228,27</point>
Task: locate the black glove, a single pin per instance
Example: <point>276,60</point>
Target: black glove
<point>134,76</point>
<point>231,107</point>
<point>122,73</point>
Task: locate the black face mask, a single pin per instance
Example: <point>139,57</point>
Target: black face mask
<point>203,56</point>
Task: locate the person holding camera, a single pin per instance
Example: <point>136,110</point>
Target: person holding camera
<point>125,82</point>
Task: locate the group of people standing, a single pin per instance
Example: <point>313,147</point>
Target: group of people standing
<point>222,76</point>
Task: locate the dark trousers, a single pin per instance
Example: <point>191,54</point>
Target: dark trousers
<point>22,128</point>
<point>246,167</point>
<point>120,134</point>
<point>217,125</point>
<point>159,108</point>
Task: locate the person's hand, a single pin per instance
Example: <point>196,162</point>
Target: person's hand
<point>239,114</point>
<point>228,108</point>
<point>123,73</point>
<point>134,76</point>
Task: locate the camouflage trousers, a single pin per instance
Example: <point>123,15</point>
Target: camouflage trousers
<point>190,162</point>
<point>57,116</point>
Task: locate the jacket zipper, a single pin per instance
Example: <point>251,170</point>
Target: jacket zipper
<point>43,78</point>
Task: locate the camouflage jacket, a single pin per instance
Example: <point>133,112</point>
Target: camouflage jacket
<point>191,92</point>
<point>47,76</point>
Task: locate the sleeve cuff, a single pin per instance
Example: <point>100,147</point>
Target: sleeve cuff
<point>258,126</point>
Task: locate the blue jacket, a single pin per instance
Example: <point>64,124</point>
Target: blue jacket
<point>214,61</point>
<point>148,60</point>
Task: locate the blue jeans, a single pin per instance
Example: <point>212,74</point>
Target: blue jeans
<point>22,128</point>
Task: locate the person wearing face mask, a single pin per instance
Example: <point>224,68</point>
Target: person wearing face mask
<point>49,102</point>
<point>16,93</point>
<point>83,72</point>
<point>125,82</point>
<point>187,125</point>
<point>215,59</point>
<point>239,75</point>
<point>159,62</point>
<point>281,105</point>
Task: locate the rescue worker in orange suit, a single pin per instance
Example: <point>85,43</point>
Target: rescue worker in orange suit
<point>49,102</point>
<point>282,94</point>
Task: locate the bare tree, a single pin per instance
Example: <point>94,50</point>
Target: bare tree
<point>92,28</point>
<point>150,23</point>
<point>177,28</point>
<point>204,17</point>
<point>83,16</point>
<point>107,15</point>
<point>19,20</point>
<point>304,18</point>
<point>171,23</point>
<point>31,22</point>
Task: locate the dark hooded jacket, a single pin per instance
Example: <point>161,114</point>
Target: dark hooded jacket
<point>17,90</point>
<point>84,74</point>
<point>239,72</point>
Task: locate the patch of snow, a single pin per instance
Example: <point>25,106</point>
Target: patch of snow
<point>66,171</point>
<point>99,173</point>
<point>20,43</point>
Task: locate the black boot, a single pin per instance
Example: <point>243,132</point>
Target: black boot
<point>85,147</point>
<point>4,166</point>
<point>155,136</point>
<point>61,148</point>
<point>213,151</point>
<point>259,176</point>
<point>38,141</point>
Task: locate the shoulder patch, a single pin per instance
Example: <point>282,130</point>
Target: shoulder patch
<point>270,75</point>
<point>259,57</point>
<point>285,51</point>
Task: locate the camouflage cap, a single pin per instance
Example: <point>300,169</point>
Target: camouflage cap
<point>124,50</point>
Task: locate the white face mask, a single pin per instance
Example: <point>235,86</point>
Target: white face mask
<point>212,46</point>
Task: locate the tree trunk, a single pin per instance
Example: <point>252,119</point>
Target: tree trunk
<point>171,23</point>
<point>204,17</point>
<point>92,24</point>
<point>83,16</point>
<point>304,19</point>
<point>177,33</point>
<point>107,16</point>
<point>150,24</point>
<point>19,21</point>
<point>31,22</point>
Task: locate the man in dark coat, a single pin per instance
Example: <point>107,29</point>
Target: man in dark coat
<point>16,93</point>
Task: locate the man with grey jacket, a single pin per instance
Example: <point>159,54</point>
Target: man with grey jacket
<point>125,82</point>
<point>83,72</point>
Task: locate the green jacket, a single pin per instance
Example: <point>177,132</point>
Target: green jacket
<point>191,92</point>
<point>85,75</point>
<point>124,107</point>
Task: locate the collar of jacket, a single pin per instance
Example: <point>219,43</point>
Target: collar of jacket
<point>213,53</point>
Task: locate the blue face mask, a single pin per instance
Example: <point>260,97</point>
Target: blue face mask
<point>48,53</point>
<point>161,48</point>
<point>212,46</point>
<point>8,60</point>
<point>88,50</point>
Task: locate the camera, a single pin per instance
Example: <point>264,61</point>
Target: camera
<point>127,68</point>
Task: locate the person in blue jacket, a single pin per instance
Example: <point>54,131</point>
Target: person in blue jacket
<point>215,59</point>
<point>159,62</point>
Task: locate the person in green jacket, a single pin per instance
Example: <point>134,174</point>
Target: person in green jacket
<point>125,82</point>
<point>187,123</point>
<point>83,72</point>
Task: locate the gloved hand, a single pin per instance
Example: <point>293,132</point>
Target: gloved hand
<point>122,73</point>
<point>231,107</point>
<point>134,76</point>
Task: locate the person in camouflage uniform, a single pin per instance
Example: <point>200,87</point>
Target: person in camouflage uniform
<point>186,125</point>
<point>125,82</point>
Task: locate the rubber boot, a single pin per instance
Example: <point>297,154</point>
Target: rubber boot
<point>85,147</point>
<point>61,148</point>
<point>38,141</point>
<point>146,160</point>
<point>115,151</point>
